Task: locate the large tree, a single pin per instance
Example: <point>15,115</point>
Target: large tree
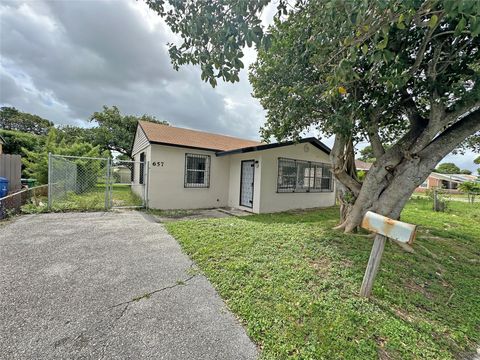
<point>13,119</point>
<point>366,154</point>
<point>16,141</point>
<point>404,73</point>
<point>115,132</point>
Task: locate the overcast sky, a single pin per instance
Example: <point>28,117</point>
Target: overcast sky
<point>64,60</point>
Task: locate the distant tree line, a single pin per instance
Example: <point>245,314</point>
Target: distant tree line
<point>33,137</point>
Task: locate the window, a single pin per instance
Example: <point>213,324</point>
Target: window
<point>197,171</point>
<point>142,168</point>
<point>303,176</point>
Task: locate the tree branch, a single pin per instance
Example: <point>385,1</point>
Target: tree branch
<point>374,137</point>
<point>339,166</point>
<point>432,65</point>
<point>465,110</point>
<point>447,141</point>
<point>412,112</point>
<point>421,51</point>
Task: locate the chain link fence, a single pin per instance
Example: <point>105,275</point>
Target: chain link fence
<point>87,183</point>
<point>127,183</point>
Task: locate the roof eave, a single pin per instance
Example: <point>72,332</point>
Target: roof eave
<point>184,146</point>
<point>312,140</point>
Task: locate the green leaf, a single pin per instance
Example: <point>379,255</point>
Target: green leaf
<point>460,26</point>
<point>475,27</point>
<point>364,49</point>
<point>213,82</point>
<point>433,21</point>
<point>382,44</point>
<point>388,55</point>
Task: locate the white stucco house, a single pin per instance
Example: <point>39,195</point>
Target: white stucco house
<point>188,169</point>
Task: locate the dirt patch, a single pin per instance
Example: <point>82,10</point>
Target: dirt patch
<point>321,265</point>
<point>419,288</point>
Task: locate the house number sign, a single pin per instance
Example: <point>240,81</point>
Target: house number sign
<point>157,163</point>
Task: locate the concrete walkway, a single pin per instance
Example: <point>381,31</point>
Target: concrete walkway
<point>107,286</point>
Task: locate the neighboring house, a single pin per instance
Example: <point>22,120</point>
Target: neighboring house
<point>122,174</point>
<point>2,142</point>
<point>448,182</point>
<point>190,169</point>
<point>444,181</point>
<point>362,165</point>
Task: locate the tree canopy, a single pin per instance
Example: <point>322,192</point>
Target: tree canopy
<point>404,73</point>
<point>16,141</point>
<point>13,119</point>
<point>36,161</point>
<point>448,168</point>
<point>366,154</point>
<point>115,132</point>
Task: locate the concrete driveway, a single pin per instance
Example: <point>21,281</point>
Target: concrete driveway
<point>107,286</point>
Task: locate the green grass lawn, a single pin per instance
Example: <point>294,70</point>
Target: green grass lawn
<point>293,282</point>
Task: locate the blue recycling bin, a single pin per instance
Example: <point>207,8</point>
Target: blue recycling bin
<point>3,187</point>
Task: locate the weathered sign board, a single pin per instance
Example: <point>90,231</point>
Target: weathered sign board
<point>393,229</point>
<point>384,228</point>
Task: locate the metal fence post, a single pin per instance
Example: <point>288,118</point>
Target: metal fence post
<point>49,181</point>
<point>111,181</point>
<point>107,185</point>
<point>146,181</point>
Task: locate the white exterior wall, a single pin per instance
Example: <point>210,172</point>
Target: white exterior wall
<point>270,200</point>
<point>136,187</point>
<point>140,142</point>
<point>166,183</point>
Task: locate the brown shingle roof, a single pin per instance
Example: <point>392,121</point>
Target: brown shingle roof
<point>164,134</point>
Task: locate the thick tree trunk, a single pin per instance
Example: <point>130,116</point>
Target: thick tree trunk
<point>343,160</point>
<point>400,169</point>
<point>345,201</point>
<point>384,193</point>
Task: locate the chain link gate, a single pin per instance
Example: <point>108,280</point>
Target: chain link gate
<point>88,183</point>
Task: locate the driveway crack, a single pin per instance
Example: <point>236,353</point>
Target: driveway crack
<point>148,294</point>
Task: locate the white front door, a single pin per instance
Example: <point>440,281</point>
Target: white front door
<point>247,178</point>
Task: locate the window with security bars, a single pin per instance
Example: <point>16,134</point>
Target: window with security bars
<point>197,171</point>
<point>303,176</point>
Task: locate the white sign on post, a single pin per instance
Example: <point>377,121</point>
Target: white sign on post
<point>385,228</point>
<point>393,229</point>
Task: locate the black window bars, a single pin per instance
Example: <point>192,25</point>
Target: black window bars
<point>197,171</point>
<point>303,176</point>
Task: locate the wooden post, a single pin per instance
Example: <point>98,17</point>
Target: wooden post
<point>373,265</point>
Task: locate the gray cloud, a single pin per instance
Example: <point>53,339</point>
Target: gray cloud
<point>64,60</point>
